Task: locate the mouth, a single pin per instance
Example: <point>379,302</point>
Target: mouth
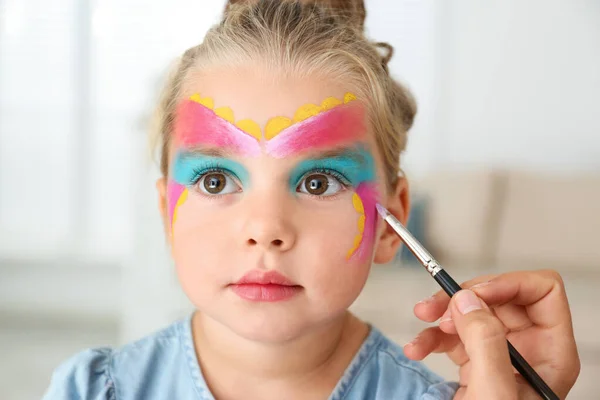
<point>268,286</point>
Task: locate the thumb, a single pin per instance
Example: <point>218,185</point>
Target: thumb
<point>491,373</point>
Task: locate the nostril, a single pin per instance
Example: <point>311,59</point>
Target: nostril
<point>251,242</point>
<point>277,242</point>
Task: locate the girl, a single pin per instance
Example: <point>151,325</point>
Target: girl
<point>279,133</point>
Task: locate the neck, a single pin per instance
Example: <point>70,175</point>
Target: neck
<point>318,357</point>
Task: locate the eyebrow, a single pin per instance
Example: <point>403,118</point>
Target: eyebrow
<point>199,151</point>
<point>342,124</point>
<point>353,152</point>
<point>196,125</point>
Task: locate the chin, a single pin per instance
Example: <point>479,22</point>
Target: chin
<point>269,329</point>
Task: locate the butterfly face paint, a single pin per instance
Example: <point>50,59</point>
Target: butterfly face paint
<point>333,124</point>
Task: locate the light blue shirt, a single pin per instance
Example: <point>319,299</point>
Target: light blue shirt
<point>164,366</point>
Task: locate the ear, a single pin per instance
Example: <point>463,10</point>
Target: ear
<point>161,188</point>
<point>397,203</point>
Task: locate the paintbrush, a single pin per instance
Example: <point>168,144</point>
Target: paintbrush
<point>451,287</point>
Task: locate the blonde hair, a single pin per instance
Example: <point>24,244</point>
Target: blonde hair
<point>301,39</point>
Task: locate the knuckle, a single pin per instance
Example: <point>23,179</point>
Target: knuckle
<point>478,280</point>
<point>487,329</point>
<point>554,275</point>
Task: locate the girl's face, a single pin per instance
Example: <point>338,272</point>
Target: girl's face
<point>270,201</point>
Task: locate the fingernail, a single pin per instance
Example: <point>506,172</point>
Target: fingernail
<point>467,301</point>
<point>446,317</point>
<point>412,342</point>
<point>480,285</point>
<point>427,300</point>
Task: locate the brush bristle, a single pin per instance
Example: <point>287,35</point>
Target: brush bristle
<point>382,210</point>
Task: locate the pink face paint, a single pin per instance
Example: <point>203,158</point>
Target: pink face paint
<point>196,125</point>
<point>174,192</point>
<point>367,191</point>
<point>340,125</point>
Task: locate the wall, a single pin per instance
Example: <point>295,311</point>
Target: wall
<point>519,85</point>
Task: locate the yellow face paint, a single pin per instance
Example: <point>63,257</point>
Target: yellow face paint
<point>205,101</point>
<point>330,103</point>
<point>360,209</point>
<point>247,125</point>
<point>305,112</point>
<point>277,124</point>
<point>180,201</point>
<point>348,97</point>
<point>274,125</point>
<point>250,127</point>
<point>226,113</point>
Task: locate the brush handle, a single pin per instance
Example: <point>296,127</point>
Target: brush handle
<point>451,287</point>
<point>447,283</point>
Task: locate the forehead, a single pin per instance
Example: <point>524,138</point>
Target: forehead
<point>254,93</point>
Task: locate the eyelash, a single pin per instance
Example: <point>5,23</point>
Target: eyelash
<point>325,171</point>
<point>199,173</point>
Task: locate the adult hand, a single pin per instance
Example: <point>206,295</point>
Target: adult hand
<point>528,308</point>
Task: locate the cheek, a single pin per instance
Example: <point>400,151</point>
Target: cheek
<point>329,274</point>
<point>328,230</point>
<point>343,233</point>
<point>364,200</point>
<point>196,250</point>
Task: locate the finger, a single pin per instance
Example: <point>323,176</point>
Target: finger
<point>542,292</point>
<point>432,308</point>
<point>543,295</point>
<point>425,343</point>
<point>464,374</point>
<point>485,343</point>
<point>446,323</point>
<point>432,340</point>
<point>460,393</point>
<point>514,317</point>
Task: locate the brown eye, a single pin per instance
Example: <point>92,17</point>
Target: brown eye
<point>316,184</point>
<point>320,184</point>
<point>214,183</point>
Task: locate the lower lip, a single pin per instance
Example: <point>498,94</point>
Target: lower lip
<point>268,292</point>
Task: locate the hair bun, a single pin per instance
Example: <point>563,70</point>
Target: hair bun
<point>387,56</point>
<point>353,10</point>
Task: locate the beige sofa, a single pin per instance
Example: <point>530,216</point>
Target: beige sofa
<point>513,220</point>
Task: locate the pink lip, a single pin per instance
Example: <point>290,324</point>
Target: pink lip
<point>265,286</point>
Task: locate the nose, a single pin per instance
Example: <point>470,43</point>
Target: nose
<point>269,230</point>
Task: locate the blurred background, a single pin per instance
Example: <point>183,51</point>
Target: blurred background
<point>504,160</point>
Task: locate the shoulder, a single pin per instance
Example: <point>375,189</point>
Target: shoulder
<point>83,376</point>
<point>382,370</point>
<point>105,373</point>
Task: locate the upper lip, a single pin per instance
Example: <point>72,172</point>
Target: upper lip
<point>258,277</point>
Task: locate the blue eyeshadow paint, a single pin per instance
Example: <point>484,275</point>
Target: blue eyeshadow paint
<point>188,167</point>
<point>355,165</point>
